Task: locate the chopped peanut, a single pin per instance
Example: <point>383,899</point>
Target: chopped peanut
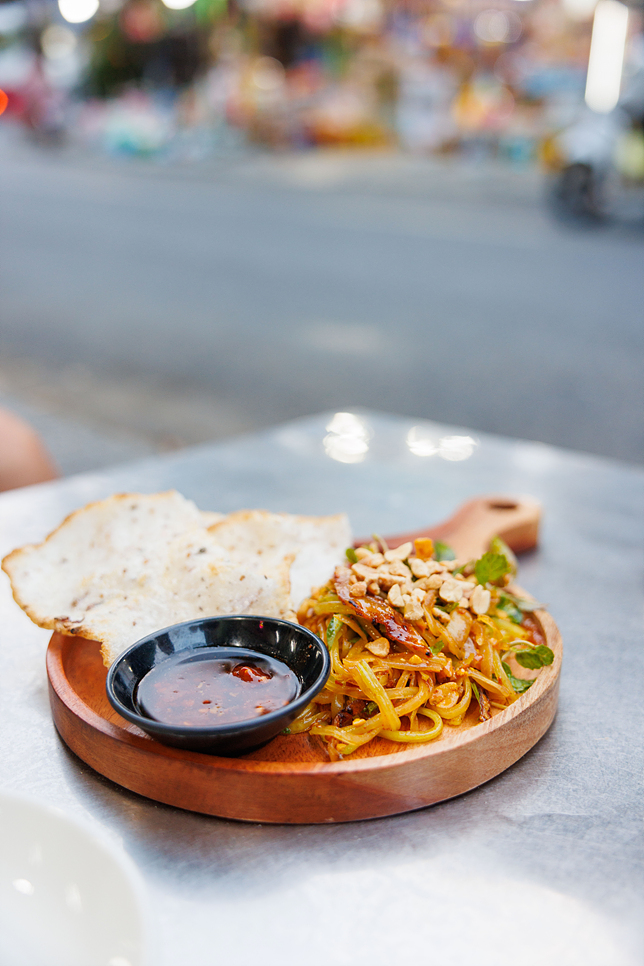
<point>435,567</point>
<point>413,610</point>
<point>399,553</point>
<point>397,567</point>
<point>367,573</point>
<point>387,580</point>
<point>418,567</point>
<point>445,695</point>
<point>375,560</point>
<point>450,590</point>
<point>480,600</point>
<point>380,647</point>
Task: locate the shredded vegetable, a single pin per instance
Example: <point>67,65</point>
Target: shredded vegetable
<point>418,640</point>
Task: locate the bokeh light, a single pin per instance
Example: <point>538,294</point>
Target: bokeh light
<point>58,42</point>
<point>421,441</point>
<point>455,448</point>
<point>347,439</point>
<point>497,27</point>
<point>77,11</point>
<point>268,74</point>
<point>178,4</point>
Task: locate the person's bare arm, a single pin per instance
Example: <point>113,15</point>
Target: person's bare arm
<point>23,456</point>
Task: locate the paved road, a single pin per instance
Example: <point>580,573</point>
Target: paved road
<point>265,289</point>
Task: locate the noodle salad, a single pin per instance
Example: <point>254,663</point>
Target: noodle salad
<point>416,638</point>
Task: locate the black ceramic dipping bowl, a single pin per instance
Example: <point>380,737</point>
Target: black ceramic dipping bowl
<point>295,646</point>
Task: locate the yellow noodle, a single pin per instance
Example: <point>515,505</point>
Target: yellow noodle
<point>397,685</point>
<point>346,736</point>
<point>307,720</point>
<point>487,683</point>
<point>415,737</point>
<point>415,701</point>
<point>353,624</point>
<point>458,710</point>
<point>375,692</point>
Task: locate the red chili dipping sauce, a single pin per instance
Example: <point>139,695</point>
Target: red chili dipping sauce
<point>213,686</point>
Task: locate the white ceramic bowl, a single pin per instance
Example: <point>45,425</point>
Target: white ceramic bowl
<point>66,898</point>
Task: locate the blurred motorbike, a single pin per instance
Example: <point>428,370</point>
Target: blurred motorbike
<point>598,162</point>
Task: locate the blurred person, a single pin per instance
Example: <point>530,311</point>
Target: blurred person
<point>43,106</point>
<point>23,456</point>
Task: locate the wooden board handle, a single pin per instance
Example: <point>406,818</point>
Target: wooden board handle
<point>469,531</point>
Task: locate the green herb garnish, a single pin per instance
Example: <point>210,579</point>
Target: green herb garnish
<point>530,655</point>
<point>526,606</point>
<point>519,684</point>
<point>352,556</point>
<point>442,551</point>
<point>509,608</point>
<point>500,546</point>
<point>538,656</point>
<point>491,568</point>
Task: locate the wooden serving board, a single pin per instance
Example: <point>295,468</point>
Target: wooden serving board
<point>291,780</point>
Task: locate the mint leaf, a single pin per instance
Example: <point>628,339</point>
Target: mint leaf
<point>518,684</point>
<point>510,609</point>
<point>491,568</point>
<point>500,546</point>
<point>442,551</point>
<point>539,656</point>
<point>352,556</point>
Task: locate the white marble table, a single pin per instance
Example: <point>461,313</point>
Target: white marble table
<point>541,865</point>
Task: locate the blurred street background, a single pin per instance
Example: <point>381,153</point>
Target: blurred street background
<point>220,217</point>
